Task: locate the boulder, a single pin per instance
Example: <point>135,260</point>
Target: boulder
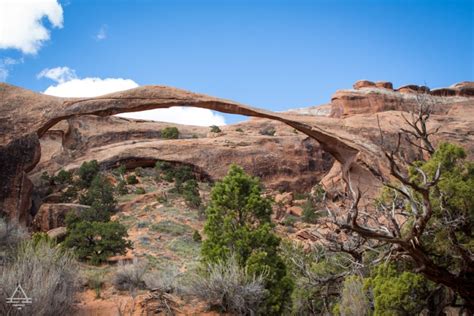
<point>57,233</point>
<point>299,202</point>
<point>413,89</point>
<point>384,84</point>
<point>284,198</point>
<point>363,84</point>
<point>295,210</point>
<point>51,216</point>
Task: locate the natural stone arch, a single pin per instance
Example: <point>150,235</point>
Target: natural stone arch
<point>25,116</point>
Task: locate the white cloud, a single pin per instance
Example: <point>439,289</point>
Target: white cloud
<point>102,33</point>
<point>58,74</point>
<point>69,85</point>
<point>89,87</point>
<point>21,23</point>
<point>5,65</point>
<point>180,115</point>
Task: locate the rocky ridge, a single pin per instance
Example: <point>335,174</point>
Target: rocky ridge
<point>36,137</point>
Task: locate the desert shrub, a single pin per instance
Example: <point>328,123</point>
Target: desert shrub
<point>300,196</point>
<point>197,236</point>
<point>170,227</point>
<point>165,281</point>
<point>120,171</point>
<point>87,172</point>
<point>39,237</point>
<point>309,212</point>
<point>140,191</point>
<point>121,187</point>
<point>215,129</point>
<point>164,170</point>
<point>354,300</point>
<point>191,193</point>
<point>181,175</point>
<point>318,275</point>
<point>142,224</point>
<point>11,235</point>
<point>129,277</point>
<point>268,131</point>
<point>238,221</point>
<point>170,133</point>
<point>289,221</point>
<point>230,288</point>
<point>139,171</point>
<point>45,177</point>
<point>63,177</point>
<point>162,198</point>
<point>239,130</point>
<point>97,241</point>
<point>47,273</point>
<point>70,194</point>
<point>95,280</point>
<point>132,179</point>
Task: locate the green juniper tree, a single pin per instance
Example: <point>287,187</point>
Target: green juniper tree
<point>238,223</point>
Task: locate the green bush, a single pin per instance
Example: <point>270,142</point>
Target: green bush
<point>132,179</point>
<point>63,177</point>
<point>162,198</point>
<point>120,170</point>
<point>191,193</point>
<point>268,131</point>
<point>87,172</point>
<point>96,241</point>
<point>197,236</point>
<point>181,175</point>
<point>309,212</point>
<point>165,170</point>
<point>100,195</point>
<point>170,133</point>
<point>238,222</point>
<point>70,194</point>
<point>397,292</point>
<point>171,227</point>
<point>140,191</point>
<point>289,221</point>
<point>239,130</point>
<point>139,171</point>
<point>121,187</point>
<point>215,129</point>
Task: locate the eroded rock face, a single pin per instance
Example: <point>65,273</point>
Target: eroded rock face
<point>26,116</point>
<point>287,161</point>
<point>369,97</point>
<point>350,135</point>
<point>52,216</point>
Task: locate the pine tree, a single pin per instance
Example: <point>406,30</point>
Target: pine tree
<point>238,223</point>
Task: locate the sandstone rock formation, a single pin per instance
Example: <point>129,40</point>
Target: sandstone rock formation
<point>285,162</point>
<point>26,116</point>
<point>350,134</point>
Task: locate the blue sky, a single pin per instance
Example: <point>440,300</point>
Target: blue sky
<point>270,54</point>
